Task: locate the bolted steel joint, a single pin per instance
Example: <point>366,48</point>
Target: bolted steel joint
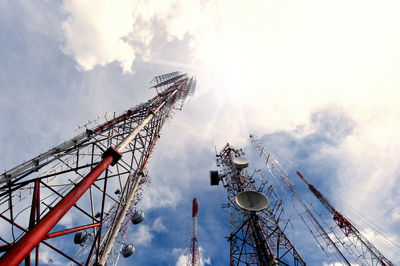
<point>114,153</point>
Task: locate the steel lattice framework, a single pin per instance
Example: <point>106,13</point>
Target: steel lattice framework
<point>350,248</point>
<point>324,238</point>
<point>71,187</point>
<point>193,258</point>
<point>368,252</point>
<point>255,238</point>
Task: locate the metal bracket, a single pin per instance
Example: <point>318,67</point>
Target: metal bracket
<point>114,153</point>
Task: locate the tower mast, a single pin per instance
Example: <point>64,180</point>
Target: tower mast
<point>255,237</point>
<point>194,255</point>
<point>358,248</point>
<point>273,165</point>
<point>368,251</point>
<point>76,177</point>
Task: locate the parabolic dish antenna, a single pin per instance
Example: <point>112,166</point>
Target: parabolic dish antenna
<point>240,162</point>
<point>252,201</point>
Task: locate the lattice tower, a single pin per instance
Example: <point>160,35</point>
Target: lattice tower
<point>255,238</point>
<point>96,178</point>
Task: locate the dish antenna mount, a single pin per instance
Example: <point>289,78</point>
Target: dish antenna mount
<point>252,201</point>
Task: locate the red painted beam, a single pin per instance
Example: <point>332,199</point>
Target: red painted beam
<point>32,219</point>
<point>71,230</point>
<point>31,239</point>
<point>62,253</point>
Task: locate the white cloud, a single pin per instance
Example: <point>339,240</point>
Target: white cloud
<point>160,196</point>
<point>262,61</point>
<point>268,57</point>
<point>183,259</point>
<point>68,219</point>
<point>367,166</point>
<point>158,225</point>
<point>396,214</point>
<point>143,234</point>
<point>101,32</point>
<point>95,32</point>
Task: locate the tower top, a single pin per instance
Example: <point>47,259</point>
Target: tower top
<point>195,208</point>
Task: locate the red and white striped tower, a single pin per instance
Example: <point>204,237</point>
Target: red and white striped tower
<point>194,255</point>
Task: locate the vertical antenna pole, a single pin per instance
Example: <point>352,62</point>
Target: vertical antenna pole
<point>195,209</point>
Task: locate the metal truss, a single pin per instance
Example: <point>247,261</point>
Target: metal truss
<point>71,187</point>
<point>366,252</point>
<point>255,238</point>
<point>351,246</point>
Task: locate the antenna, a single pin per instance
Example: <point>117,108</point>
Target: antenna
<point>252,201</point>
<point>369,252</point>
<point>80,176</point>
<point>194,253</point>
<point>319,233</point>
<point>255,235</point>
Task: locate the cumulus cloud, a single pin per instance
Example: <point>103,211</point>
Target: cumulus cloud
<point>158,225</point>
<point>101,32</point>
<point>95,31</point>
<point>160,196</point>
<point>183,259</point>
<point>143,234</point>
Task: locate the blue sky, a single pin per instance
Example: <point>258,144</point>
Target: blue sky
<point>317,81</point>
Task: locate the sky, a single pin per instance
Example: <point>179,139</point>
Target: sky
<point>317,81</point>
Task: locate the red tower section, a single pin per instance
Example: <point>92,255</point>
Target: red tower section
<point>96,177</point>
<point>367,251</point>
<point>194,255</point>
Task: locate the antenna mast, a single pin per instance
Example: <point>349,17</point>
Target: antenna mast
<point>97,176</point>
<point>368,251</point>
<point>194,255</point>
<point>281,175</point>
<point>255,235</point>
<point>359,248</point>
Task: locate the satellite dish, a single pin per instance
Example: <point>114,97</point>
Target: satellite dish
<point>252,201</point>
<point>240,162</point>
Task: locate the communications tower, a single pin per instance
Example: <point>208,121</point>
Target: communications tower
<point>366,250</point>
<point>351,247</point>
<point>194,254</point>
<point>85,190</point>
<point>256,237</point>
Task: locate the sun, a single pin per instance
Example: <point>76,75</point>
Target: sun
<point>230,67</point>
